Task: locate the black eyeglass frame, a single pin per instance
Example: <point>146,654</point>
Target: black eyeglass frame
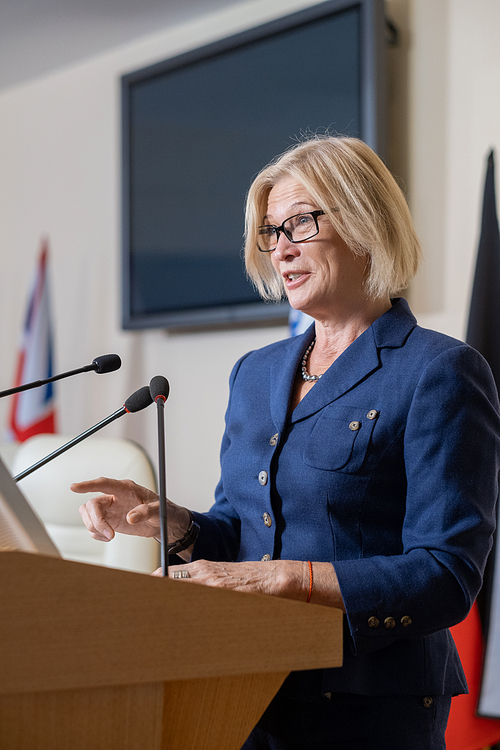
<point>287,234</point>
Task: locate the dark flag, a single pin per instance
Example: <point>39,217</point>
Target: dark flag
<point>466,730</point>
<point>483,332</point>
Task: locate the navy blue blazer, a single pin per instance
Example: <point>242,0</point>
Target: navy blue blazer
<point>388,468</point>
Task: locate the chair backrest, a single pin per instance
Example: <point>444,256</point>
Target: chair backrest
<point>47,490</point>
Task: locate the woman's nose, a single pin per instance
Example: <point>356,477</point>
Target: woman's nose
<point>285,248</point>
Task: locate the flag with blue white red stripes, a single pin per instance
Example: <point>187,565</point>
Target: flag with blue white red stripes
<point>33,411</point>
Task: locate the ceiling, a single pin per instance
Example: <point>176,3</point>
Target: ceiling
<point>38,36</point>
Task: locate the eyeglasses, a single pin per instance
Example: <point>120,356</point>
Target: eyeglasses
<point>298,228</point>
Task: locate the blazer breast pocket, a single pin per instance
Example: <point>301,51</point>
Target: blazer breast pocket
<point>340,438</point>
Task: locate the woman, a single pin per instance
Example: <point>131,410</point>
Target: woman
<point>358,466</point>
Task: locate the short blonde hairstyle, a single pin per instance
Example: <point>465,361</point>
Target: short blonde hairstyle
<point>374,219</point>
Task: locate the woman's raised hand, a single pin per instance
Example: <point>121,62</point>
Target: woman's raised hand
<point>123,507</point>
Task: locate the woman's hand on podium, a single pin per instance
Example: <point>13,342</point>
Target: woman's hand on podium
<point>291,579</point>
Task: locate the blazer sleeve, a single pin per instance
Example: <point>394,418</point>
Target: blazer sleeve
<point>451,454</point>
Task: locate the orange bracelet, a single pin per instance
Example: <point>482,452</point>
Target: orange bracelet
<point>311,581</point>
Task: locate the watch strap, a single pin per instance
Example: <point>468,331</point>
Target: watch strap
<point>187,540</point>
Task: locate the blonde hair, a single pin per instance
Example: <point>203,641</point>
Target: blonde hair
<point>374,219</point>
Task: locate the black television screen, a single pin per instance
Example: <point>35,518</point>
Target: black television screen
<point>198,127</point>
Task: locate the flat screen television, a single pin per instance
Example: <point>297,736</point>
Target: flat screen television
<point>197,128</point>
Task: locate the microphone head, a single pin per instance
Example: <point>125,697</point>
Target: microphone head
<point>159,387</point>
<point>138,400</point>
<point>107,363</point>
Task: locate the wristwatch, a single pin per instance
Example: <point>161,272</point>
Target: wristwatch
<point>187,540</point>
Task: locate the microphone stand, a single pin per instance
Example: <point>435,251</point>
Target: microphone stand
<point>38,383</point>
<point>70,444</point>
<point>106,363</point>
<point>162,484</point>
<point>136,402</point>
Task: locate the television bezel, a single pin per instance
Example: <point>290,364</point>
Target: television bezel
<point>373,132</point>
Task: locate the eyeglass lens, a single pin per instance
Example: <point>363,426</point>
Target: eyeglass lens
<point>297,228</point>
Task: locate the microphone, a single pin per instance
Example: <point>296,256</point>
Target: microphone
<point>159,390</point>
<point>105,363</point>
<point>137,401</point>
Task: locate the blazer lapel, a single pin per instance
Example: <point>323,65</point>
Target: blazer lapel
<point>357,362</point>
<point>283,376</point>
<point>354,364</point>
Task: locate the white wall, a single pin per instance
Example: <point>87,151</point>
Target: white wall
<point>473,128</point>
<point>454,121</point>
<point>59,176</point>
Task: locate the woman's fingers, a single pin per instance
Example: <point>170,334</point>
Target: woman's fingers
<point>106,485</point>
<point>93,516</point>
<point>149,513</point>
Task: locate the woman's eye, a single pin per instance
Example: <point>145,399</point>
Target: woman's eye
<point>305,219</point>
<point>301,222</point>
<point>267,231</point>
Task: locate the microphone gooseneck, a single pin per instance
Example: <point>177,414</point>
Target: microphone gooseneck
<point>105,363</point>
<point>137,401</point>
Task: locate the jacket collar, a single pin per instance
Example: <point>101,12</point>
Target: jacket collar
<point>358,361</point>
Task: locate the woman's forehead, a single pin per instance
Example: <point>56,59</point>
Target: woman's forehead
<point>288,194</point>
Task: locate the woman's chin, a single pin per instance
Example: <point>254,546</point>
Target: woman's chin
<point>302,306</point>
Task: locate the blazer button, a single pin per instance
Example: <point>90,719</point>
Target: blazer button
<point>274,440</point>
<point>265,558</point>
<point>372,414</point>
<point>263,477</point>
<point>405,621</point>
<point>267,519</point>
<point>373,622</point>
<point>427,701</point>
<point>354,426</point>
<point>389,622</point>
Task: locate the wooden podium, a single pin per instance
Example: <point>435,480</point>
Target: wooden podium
<point>97,659</point>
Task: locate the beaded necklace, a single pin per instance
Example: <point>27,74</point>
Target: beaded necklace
<point>305,375</point>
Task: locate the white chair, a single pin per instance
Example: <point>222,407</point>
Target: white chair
<point>47,490</point>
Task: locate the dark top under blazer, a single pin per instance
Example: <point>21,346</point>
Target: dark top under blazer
<point>388,468</point>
